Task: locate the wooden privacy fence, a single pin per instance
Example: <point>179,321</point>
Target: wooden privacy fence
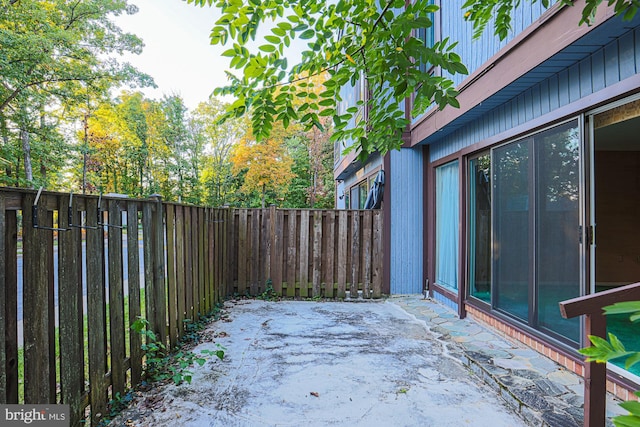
<point>306,253</point>
<point>76,272</point>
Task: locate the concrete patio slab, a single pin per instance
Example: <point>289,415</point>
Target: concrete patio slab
<point>295,363</point>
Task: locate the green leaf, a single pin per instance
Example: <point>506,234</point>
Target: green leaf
<point>267,48</point>
<point>627,421</point>
<point>307,34</point>
<point>327,102</point>
<point>272,39</point>
<point>632,360</point>
<point>622,307</point>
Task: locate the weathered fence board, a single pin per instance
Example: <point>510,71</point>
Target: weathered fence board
<point>355,252</point>
<point>291,256</point>
<point>11,305</point>
<point>210,254</point>
<point>37,352</point>
<point>342,252</point>
<point>133,287</point>
<point>71,311</point>
<point>181,279</point>
<point>116,299</point>
<point>193,239</point>
<point>159,293</point>
<point>96,315</point>
<point>310,253</point>
<point>4,290</point>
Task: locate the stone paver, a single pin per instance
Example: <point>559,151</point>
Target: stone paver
<point>541,391</point>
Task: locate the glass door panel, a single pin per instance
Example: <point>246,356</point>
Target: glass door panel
<point>511,226</point>
<point>558,227</point>
<point>480,227</point>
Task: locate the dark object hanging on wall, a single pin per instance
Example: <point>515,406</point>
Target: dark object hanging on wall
<point>374,198</point>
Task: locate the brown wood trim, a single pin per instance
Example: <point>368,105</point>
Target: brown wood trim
<point>535,45</point>
<point>428,215</point>
<point>593,303</point>
<point>448,159</point>
<point>462,234</point>
<point>386,225</point>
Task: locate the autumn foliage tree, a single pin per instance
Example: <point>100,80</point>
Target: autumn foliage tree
<point>50,53</point>
<point>266,166</point>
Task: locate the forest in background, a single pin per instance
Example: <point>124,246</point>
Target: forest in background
<point>73,118</point>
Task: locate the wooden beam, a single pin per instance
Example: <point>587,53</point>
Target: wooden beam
<point>595,374</point>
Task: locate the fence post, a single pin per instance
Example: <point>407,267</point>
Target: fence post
<point>38,387</point>
<point>3,307</point>
<point>70,311</point>
<point>595,374</point>
<point>159,299</point>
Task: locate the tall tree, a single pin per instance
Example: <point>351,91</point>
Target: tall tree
<point>217,140</point>
<point>349,39</point>
<point>266,164</point>
<point>50,48</point>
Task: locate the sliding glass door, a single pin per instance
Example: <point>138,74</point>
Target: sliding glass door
<point>533,239</point>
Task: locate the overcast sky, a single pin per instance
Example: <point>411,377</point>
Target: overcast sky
<point>177,53</point>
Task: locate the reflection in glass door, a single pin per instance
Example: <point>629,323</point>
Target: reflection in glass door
<point>536,225</point>
<point>480,227</point>
<point>511,225</point>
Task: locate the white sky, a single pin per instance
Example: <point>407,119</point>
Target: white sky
<point>177,53</point>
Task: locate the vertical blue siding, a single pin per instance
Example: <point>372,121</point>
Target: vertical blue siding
<point>445,301</point>
<point>614,62</point>
<point>473,52</point>
<point>627,57</point>
<point>406,222</point>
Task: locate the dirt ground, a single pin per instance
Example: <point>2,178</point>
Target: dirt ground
<point>294,363</point>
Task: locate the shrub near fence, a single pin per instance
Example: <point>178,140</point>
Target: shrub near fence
<point>86,267</point>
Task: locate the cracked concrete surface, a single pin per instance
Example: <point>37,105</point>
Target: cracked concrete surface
<point>295,363</point>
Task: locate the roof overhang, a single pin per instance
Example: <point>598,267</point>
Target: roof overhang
<point>553,44</point>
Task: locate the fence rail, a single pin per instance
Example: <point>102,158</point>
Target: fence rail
<point>77,271</point>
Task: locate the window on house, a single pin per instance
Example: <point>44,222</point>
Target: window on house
<point>447,208</point>
<point>480,227</point>
<point>428,36</point>
<point>354,200</point>
<point>363,189</point>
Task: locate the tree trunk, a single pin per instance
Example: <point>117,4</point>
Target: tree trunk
<point>26,149</point>
<point>5,142</point>
<point>264,190</point>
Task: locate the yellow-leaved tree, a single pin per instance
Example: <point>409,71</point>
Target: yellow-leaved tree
<point>266,166</point>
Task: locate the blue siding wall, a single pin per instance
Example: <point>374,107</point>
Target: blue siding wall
<point>613,63</point>
<point>445,301</point>
<point>474,53</point>
<point>406,221</point>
